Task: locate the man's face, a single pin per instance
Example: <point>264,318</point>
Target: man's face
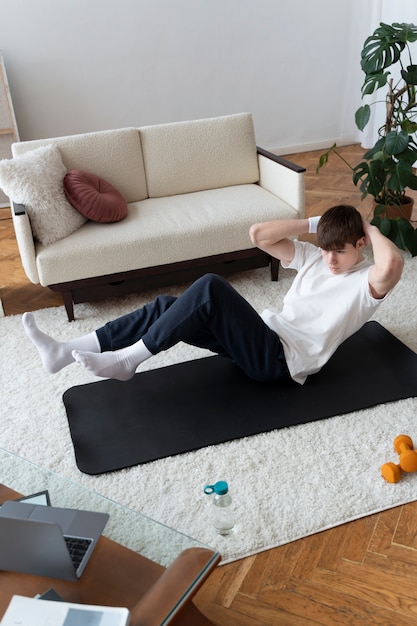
<point>340,261</point>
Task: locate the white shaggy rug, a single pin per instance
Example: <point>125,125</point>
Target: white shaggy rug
<point>286,484</point>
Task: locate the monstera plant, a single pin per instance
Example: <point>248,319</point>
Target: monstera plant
<point>387,169</point>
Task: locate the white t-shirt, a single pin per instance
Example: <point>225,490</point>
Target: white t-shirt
<point>320,310</point>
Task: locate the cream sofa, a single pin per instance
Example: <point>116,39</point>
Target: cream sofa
<point>193,189</point>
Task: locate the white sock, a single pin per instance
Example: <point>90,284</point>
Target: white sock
<point>57,354</point>
<point>120,364</point>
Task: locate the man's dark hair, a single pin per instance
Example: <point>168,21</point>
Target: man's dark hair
<point>338,226</point>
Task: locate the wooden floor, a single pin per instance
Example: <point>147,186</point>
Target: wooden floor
<point>361,573</point>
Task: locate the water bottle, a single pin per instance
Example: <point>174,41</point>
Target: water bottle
<point>222,507</point>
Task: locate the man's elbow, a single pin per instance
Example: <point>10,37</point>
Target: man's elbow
<point>255,234</point>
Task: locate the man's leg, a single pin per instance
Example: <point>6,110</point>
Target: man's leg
<point>209,314</point>
<point>213,315</point>
<point>127,329</point>
<point>122,348</point>
<point>56,355</point>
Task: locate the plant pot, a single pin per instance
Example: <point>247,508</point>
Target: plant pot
<point>393,211</point>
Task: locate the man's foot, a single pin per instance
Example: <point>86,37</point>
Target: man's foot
<point>116,364</point>
<point>54,354</point>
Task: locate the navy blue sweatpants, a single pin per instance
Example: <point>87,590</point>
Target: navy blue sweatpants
<point>209,314</point>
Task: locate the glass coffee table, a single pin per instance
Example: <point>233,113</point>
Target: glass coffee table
<point>155,545</point>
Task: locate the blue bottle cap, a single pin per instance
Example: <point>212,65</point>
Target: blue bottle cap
<point>220,488</point>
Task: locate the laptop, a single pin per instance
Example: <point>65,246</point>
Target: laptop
<point>48,540</point>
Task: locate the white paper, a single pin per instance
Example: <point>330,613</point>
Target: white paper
<point>24,611</point>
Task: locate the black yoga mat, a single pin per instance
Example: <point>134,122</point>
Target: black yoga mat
<point>208,401</point>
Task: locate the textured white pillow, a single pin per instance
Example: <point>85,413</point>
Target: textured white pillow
<point>35,179</point>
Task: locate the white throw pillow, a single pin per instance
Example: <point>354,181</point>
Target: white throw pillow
<point>35,179</point>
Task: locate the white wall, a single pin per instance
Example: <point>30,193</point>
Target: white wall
<point>82,65</point>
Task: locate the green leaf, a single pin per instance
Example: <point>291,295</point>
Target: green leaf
<point>381,50</point>
<point>362,116</point>
<point>395,143</point>
<point>409,127</point>
<point>322,161</point>
<point>396,232</point>
<point>401,175</point>
<point>410,242</point>
<point>386,227</point>
<point>379,156</point>
<point>409,155</point>
<point>324,158</point>
<point>374,81</point>
<point>405,31</point>
<point>370,175</point>
<point>400,231</point>
<point>412,182</point>
<point>407,236</point>
<point>378,147</point>
<point>410,75</point>
<point>378,211</point>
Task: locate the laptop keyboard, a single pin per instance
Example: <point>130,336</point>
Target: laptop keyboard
<point>77,547</point>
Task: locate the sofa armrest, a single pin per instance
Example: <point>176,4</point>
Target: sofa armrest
<point>281,161</point>
<point>282,178</point>
<point>173,586</point>
<point>25,242</point>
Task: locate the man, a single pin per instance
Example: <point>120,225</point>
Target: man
<point>336,290</point>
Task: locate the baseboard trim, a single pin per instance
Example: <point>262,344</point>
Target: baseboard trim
<point>311,147</point>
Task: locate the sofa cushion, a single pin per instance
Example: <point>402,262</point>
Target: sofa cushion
<point>94,197</point>
<point>35,179</point>
<point>162,230</point>
<point>115,155</point>
<point>202,154</point>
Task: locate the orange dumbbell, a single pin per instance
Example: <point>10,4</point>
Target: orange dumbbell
<point>403,445</point>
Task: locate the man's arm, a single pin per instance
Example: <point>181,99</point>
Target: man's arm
<point>274,237</point>
<point>388,262</point>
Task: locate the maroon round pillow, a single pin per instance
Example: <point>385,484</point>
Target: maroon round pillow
<point>94,197</point>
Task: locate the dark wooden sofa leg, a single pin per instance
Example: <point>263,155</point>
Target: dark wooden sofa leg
<point>69,305</point>
<point>274,269</point>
